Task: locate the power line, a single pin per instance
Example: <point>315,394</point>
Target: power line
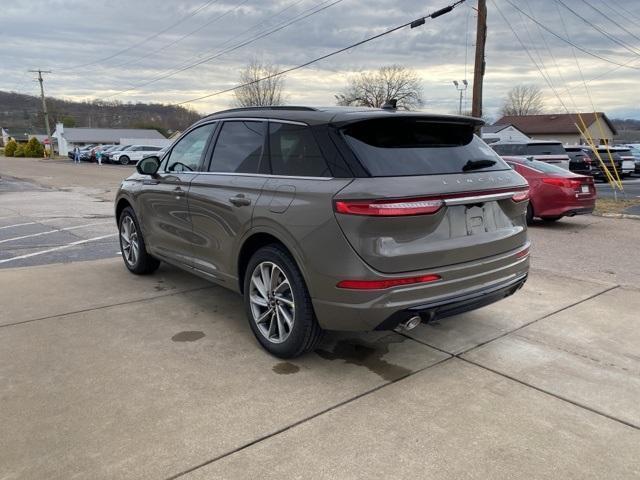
<point>228,50</point>
<point>560,37</point>
<point>415,23</point>
<point>616,23</point>
<point>596,27</point>
<point>147,39</point>
<point>187,35</point>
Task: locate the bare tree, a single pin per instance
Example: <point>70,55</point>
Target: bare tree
<point>260,88</point>
<point>523,100</point>
<point>373,89</point>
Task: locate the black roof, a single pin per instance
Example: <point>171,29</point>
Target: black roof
<point>332,115</point>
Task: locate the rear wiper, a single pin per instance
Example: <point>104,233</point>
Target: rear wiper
<point>477,164</point>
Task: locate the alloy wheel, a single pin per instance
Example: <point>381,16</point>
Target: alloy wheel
<point>272,303</point>
<point>129,241</point>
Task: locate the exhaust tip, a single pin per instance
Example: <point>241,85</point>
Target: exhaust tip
<point>410,323</point>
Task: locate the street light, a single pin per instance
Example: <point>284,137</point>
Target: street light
<point>461,89</point>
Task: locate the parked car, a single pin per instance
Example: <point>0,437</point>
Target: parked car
<point>83,152</point>
<point>628,160</point>
<point>133,154</point>
<point>99,148</point>
<point>579,160</point>
<point>554,192</point>
<point>635,151</point>
<point>113,151</point>
<point>609,157</point>
<point>331,219</point>
<point>548,151</point>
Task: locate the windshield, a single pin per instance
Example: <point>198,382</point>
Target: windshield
<point>410,146</point>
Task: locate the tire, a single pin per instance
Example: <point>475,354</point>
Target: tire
<point>124,160</point>
<point>132,246</point>
<point>529,214</point>
<point>287,300</point>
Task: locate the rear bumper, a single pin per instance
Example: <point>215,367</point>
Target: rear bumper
<point>457,305</point>
<point>463,287</point>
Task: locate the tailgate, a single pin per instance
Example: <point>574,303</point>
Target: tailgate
<point>478,219</point>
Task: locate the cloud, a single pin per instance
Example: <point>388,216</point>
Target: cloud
<point>75,32</point>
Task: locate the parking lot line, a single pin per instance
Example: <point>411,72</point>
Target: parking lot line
<point>27,223</point>
<point>55,249</point>
<point>52,231</point>
<point>18,225</point>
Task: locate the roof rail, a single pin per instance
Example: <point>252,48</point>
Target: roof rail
<point>272,107</point>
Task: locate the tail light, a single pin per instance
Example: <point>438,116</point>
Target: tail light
<point>388,283</point>
<point>389,208</point>
<point>562,182</point>
<point>422,205</point>
<point>520,196</point>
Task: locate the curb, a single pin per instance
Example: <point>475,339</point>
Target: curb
<point>617,215</point>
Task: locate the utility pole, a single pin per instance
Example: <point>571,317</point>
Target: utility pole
<point>44,108</point>
<point>478,70</point>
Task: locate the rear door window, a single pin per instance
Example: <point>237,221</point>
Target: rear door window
<point>239,148</point>
<point>293,151</point>
<point>413,146</point>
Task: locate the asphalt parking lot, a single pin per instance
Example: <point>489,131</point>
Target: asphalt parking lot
<point>108,375</point>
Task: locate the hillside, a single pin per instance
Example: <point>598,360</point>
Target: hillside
<point>24,112</point>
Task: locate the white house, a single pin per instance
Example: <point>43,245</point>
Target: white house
<point>68,138</point>
<point>495,133</point>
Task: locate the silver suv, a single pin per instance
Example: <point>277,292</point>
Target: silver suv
<point>331,219</point>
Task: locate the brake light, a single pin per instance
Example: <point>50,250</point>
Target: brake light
<point>521,196</point>
<point>523,253</point>
<point>562,182</point>
<point>389,283</point>
<point>389,208</point>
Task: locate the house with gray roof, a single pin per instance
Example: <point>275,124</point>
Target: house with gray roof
<point>71,137</point>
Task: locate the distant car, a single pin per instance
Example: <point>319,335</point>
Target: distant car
<point>134,154</point>
<point>579,160</point>
<point>611,159</point>
<point>548,151</point>
<point>635,150</point>
<point>83,151</point>
<point>116,149</point>
<point>628,160</point>
<point>554,192</point>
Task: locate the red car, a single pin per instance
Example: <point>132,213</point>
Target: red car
<point>554,192</point>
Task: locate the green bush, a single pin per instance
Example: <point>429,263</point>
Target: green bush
<point>10,148</point>
<point>19,150</point>
<point>34,148</point>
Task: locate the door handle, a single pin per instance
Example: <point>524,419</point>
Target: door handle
<point>240,201</point>
<point>178,192</point>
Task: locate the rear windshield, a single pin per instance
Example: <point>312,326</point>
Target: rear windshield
<point>530,149</point>
<point>410,146</point>
<point>544,167</point>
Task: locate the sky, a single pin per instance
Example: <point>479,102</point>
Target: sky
<point>109,49</point>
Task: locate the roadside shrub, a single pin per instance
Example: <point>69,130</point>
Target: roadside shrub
<point>19,150</point>
<point>10,148</point>
<point>34,148</point>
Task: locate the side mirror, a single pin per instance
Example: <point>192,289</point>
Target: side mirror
<point>148,166</point>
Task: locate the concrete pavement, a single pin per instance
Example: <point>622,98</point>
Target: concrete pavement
<point>104,374</point>
<point>109,375</point>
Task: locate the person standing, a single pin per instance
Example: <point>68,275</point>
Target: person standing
<point>99,155</point>
<point>76,155</point>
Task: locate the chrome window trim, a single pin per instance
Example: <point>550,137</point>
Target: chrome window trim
<point>254,119</point>
<point>263,175</point>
